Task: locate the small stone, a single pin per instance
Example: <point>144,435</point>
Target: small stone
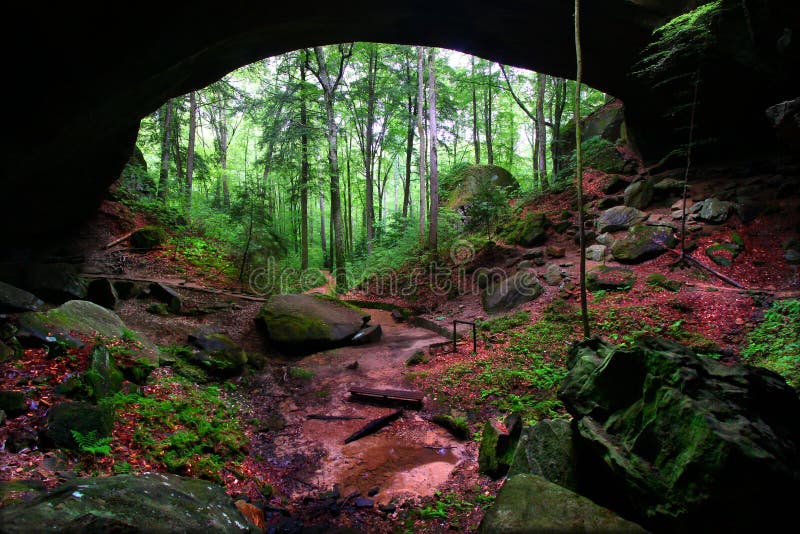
<point>388,508</point>
<point>363,502</point>
<point>596,252</point>
<point>792,256</point>
<point>373,491</point>
<point>555,252</point>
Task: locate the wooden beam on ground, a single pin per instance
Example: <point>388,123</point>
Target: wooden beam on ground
<point>413,397</point>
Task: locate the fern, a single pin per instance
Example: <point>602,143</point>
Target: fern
<point>91,443</point>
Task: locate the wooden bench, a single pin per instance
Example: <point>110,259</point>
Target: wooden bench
<point>413,397</point>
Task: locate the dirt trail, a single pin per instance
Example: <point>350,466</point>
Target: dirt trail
<point>408,458</point>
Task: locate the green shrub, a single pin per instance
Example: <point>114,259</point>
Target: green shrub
<point>775,343</point>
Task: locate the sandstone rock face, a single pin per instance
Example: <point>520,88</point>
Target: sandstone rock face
<point>529,504</point>
<point>151,502</point>
<point>681,442</point>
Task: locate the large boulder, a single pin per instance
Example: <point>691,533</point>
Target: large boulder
<point>619,218</point>
<point>639,194</point>
<point>713,210</point>
<point>151,502</point>
<point>463,182</point>
<point>79,318</point>
<point>82,417</point>
<point>785,118</point>
<point>498,444</point>
<point>13,299</point>
<point>101,291</point>
<point>530,504</point>
<point>217,353</point>
<point>643,242</point>
<point>529,230</point>
<point>546,449</point>
<point>605,277</point>
<point>310,321</point>
<point>512,291</point>
<point>103,376</point>
<point>681,442</point>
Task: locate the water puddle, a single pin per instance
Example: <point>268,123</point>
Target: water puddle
<point>394,467</point>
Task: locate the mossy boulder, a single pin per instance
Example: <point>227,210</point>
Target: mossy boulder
<point>13,299</point>
<point>529,504</point>
<point>643,242</point>
<point>141,504</point>
<point>103,376</point>
<point>76,318</point>
<point>547,449</point>
<point>512,291</point>
<point>680,442</point>
<point>605,277</point>
<point>529,230</point>
<point>639,194</point>
<point>725,253</point>
<point>217,353</point>
<point>83,417</point>
<point>661,281</point>
<point>148,237</point>
<point>310,321</point>
<point>13,403</point>
<point>458,187</point>
<point>498,443</point>
<point>713,210</point>
<point>619,218</point>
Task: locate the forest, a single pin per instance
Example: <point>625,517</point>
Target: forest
<point>391,288</point>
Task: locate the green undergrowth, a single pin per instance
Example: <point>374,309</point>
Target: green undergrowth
<point>503,323</point>
<point>189,429</point>
<point>775,343</point>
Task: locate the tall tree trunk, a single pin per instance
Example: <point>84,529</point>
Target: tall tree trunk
<point>176,145</point>
<point>579,168</point>
<point>303,169</point>
<point>329,91</point>
<point>476,139</point>
<point>412,113</point>
<point>434,219</point>
<point>487,115</point>
<point>322,240</point>
<point>369,148</point>
<point>541,128</point>
<point>421,132</point>
<point>166,134</point>
<point>560,100</point>
<point>223,160</point>
<point>190,150</point>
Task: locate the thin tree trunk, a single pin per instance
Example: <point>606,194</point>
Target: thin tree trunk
<point>476,140</point>
<point>303,170</point>
<point>434,219</point>
<point>329,91</point>
<point>487,112</point>
<point>369,149</point>
<point>322,240</point>
<point>190,150</point>
<point>412,113</point>
<point>541,129</point>
<point>163,178</point>
<point>579,169</point>
<point>422,147</point>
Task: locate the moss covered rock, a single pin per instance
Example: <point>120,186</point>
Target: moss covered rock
<point>13,299</point>
<point>680,442</point>
<point>529,504</point>
<point>619,218</point>
<point>546,449</point>
<point>604,277</point>
<point>498,443</point>
<point>218,354</point>
<point>151,502</point>
<point>458,187</point>
<point>81,417</point>
<point>512,291</point>
<point>13,403</point>
<point>310,321</point>
<point>528,231</point>
<point>643,242</point>
<point>103,376</point>
<point>148,237</point>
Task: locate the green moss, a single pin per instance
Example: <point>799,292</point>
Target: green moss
<point>661,281</point>
<point>775,344</point>
<point>530,230</point>
<point>503,323</point>
<point>417,358</point>
<point>148,237</point>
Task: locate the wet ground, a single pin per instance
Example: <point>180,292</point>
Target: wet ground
<point>410,457</point>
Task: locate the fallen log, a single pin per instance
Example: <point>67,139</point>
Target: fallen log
<point>410,397</point>
<point>322,417</point>
<point>119,239</point>
<point>373,426</point>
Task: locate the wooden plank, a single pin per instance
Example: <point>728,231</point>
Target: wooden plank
<point>374,426</point>
<point>389,394</point>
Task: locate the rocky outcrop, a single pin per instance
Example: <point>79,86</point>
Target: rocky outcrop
<point>529,504</point>
<point>306,322</point>
<point>151,502</point>
<point>785,118</point>
<point>512,291</point>
<point>681,442</point>
<point>101,291</point>
<point>498,444</point>
<point>546,449</point>
<point>639,194</point>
